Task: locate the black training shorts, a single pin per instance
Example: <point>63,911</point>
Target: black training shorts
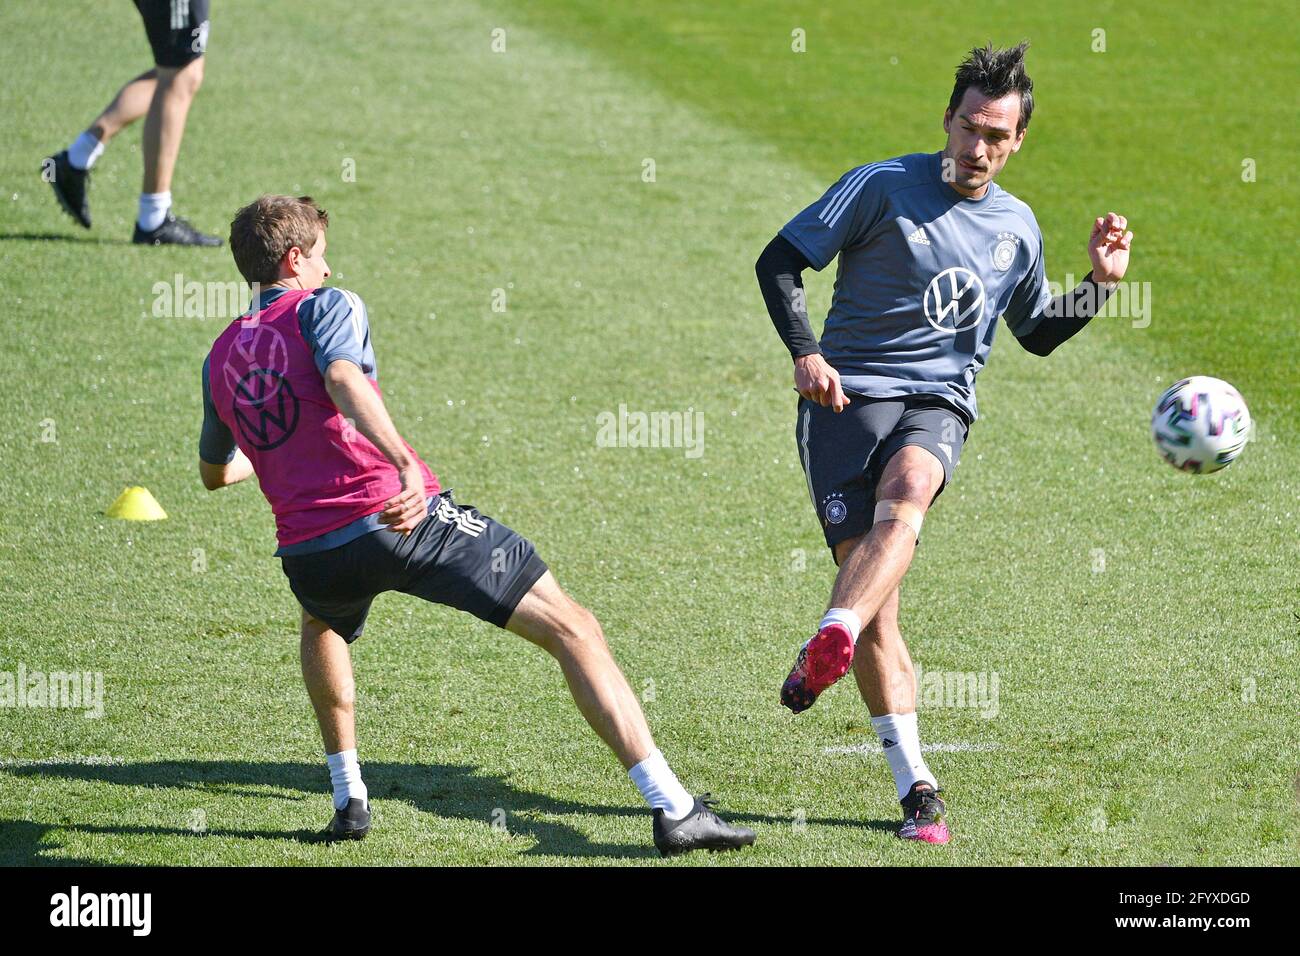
<point>455,556</point>
<point>177,29</point>
<point>844,453</point>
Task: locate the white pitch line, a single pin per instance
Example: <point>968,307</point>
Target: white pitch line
<point>88,761</point>
<point>925,748</point>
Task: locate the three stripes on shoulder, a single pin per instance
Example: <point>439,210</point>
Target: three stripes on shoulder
<point>852,185</point>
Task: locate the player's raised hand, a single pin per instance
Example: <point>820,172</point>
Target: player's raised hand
<point>406,509</point>
<point>816,381</point>
<point>1108,247</point>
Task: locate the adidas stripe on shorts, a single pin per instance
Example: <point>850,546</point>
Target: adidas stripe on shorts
<point>455,557</point>
<point>177,29</point>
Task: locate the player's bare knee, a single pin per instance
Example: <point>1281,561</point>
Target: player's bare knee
<point>193,72</point>
<point>913,485</point>
<point>181,81</point>
<point>578,627</point>
<point>572,631</point>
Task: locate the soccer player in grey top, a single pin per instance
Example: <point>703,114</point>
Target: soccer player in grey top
<point>931,251</point>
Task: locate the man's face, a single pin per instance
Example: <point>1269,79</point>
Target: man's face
<point>981,138</point>
<point>310,268</point>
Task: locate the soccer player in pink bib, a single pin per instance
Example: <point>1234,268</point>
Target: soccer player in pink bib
<point>290,394</point>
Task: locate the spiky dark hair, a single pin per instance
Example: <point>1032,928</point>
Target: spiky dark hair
<point>996,73</point>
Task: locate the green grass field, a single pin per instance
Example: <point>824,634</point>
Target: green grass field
<point>1142,624</point>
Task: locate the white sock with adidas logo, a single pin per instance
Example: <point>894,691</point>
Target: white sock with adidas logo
<point>901,742</point>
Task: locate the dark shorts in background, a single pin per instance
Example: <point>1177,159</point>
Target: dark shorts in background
<point>177,29</point>
<point>844,454</point>
<point>455,557</point>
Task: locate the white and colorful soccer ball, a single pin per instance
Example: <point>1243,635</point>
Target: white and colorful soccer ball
<point>1200,424</point>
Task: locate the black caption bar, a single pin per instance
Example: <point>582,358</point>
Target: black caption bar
<point>302,905</point>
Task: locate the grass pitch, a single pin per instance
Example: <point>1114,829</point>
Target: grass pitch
<point>1141,624</point>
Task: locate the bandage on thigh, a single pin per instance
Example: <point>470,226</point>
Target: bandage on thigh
<point>895,509</point>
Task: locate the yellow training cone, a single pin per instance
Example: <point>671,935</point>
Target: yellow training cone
<point>136,504</point>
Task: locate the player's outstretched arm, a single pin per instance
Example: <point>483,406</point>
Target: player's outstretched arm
<point>1065,315</point>
<point>357,400</point>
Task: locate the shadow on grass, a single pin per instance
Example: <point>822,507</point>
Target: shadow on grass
<point>451,791</point>
<point>61,237</point>
<point>23,843</point>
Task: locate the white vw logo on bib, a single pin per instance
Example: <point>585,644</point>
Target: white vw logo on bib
<point>954,300</point>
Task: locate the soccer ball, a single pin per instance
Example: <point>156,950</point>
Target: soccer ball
<point>1200,424</point>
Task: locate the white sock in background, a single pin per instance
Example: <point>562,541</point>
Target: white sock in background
<point>842,615</point>
<point>902,744</point>
<point>85,149</point>
<point>345,776</point>
<point>153,210</point>
<point>660,787</point>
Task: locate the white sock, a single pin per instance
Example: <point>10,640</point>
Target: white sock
<point>902,743</point>
<point>660,787</point>
<point>85,149</point>
<point>153,210</point>
<point>842,615</point>
<point>345,776</point>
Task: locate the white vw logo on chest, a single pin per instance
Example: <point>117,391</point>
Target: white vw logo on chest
<point>954,300</point>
